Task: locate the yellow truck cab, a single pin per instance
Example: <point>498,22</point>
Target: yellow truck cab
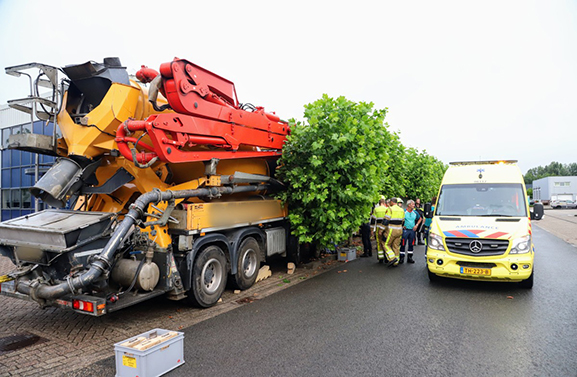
<point>481,229</point>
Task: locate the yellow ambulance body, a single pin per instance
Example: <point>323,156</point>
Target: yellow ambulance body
<point>481,229</point>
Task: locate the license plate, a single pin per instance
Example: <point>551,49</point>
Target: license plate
<point>475,271</point>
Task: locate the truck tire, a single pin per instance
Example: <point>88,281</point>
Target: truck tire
<point>528,283</point>
<point>208,277</point>
<point>248,264</point>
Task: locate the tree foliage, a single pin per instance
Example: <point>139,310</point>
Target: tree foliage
<point>551,170</point>
<point>338,163</point>
<point>424,174</point>
<point>334,166</point>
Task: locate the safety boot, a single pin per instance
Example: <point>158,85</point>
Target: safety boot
<point>401,260</point>
<point>410,259</point>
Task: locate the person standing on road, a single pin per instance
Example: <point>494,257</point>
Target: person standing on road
<point>366,237</point>
<point>429,220</point>
<point>380,228</point>
<point>412,222</point>
<point>394,219</point>
<point>420,230</point>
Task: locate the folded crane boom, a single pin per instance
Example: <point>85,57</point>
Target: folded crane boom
<point>207,114</point>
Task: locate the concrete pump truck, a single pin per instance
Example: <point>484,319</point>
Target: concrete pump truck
<point>158,189</point>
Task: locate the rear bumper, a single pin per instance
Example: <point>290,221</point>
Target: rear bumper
<point>503,269</point>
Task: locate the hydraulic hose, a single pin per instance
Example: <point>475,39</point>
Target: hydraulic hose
<point>103,262</point>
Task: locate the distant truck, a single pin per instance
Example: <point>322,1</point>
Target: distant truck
<point>481,229</point>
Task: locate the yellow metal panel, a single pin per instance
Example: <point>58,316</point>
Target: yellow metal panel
<point>230,214</point>
<point>96,137</point>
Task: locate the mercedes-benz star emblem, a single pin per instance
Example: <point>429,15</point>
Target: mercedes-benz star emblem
<point>475,246</point>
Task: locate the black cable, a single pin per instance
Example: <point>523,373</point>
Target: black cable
<point>104,132</point>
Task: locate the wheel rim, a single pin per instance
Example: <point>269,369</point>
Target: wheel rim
<point>249,262</point>
<point>211,276</point>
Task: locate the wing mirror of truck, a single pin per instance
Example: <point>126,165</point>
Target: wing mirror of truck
<point>428,211</point>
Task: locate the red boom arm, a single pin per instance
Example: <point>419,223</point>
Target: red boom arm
<point>207,114</point>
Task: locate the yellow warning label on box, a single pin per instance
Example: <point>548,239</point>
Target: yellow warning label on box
<point>128,361</point>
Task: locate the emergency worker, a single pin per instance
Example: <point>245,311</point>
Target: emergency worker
<point>380,211</point>
<point>394,219</point>
<point>412,222</point>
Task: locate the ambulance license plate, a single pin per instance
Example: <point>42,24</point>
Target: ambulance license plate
<point>476,271</point>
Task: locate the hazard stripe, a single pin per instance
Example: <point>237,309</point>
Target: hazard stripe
<point>455,233</point>
<point>466,233</point>
<point>496,235</point>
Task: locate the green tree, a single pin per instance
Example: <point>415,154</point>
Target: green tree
<point>424,175</point>
<point>551,170</point>
<point>334,166</point>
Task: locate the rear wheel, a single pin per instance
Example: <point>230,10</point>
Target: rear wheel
<point>248,264</point>
<point>208,277</point>
<point>529,282</point>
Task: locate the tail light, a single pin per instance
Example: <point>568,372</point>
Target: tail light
<point>85,306</point>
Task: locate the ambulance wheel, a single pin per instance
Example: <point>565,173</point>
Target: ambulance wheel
<point>528,283</point>
<point>208,277</point>
<point>248,264</point>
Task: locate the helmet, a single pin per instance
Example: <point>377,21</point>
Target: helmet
<point>399,200</point>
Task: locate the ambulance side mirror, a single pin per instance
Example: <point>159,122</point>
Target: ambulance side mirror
<point>428,211</point>
<point>538,211</point>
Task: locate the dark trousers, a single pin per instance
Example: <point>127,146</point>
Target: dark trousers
<point>408,239</point>
<point>366,237</point>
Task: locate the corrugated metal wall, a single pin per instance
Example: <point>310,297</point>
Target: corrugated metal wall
<point>11,117</point>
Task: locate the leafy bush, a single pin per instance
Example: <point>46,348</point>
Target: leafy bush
<point>338,163</point>
<point>335,166</point>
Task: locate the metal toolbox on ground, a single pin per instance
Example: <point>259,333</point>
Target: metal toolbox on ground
<point>347,253</point>
<point>152,353</point>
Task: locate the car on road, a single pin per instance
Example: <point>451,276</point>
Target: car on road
<point>563,204</point>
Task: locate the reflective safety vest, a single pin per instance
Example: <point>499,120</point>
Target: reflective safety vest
<point>380,213</point>
<point>395,217</point>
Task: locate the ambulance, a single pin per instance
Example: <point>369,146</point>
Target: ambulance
<point>481,228</point>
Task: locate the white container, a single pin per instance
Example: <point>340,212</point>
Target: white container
<point>347,253</point>
<point>154,361</point>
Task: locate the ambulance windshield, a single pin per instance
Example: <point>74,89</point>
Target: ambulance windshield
<point>482,199</point>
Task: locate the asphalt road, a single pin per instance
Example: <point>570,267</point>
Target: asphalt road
<point>366,319</point>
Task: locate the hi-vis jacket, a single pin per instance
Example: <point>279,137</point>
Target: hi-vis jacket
<point>395,217</point>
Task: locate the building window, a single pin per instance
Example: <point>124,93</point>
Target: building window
<point>5,199</point>
<point>6,132</point>
<point>562,184</point>
<point>16,198</point>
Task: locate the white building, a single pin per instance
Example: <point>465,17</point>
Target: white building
<point>555,188</point>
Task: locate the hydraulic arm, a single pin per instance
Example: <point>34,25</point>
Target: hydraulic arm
<point>207,116</point>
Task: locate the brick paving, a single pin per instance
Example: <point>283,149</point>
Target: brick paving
<point>73,341</point>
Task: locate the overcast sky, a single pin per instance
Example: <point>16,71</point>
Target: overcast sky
<point>463,80</point>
